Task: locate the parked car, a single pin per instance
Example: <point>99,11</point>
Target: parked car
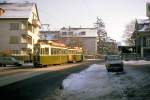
<point>113,63</point>
<point>9,61</point>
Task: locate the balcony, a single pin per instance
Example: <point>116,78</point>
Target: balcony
<point>26,39</point>
<point>35,23</point>
<point>26,45</point>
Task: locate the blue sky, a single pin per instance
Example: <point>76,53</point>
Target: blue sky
<point>75,13</point>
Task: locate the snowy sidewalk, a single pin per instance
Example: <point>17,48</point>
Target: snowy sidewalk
<point>138,62</point>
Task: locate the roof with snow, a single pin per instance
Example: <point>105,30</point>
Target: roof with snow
<point>143,25</point>
<point>142,21</point>
<point>79,32</point>
<point>16,10</point>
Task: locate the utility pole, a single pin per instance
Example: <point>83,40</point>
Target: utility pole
<point>45,27</point>
<point>136,44</point>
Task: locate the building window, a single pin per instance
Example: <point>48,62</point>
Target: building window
<point>15,51</point>
<point>14,26</point>
<point>23,26</point>
<point>14,40</point>
<point>70,33</point>
<point>83,33</point>
<point>54,51</point>
<point>148,42</point>
<point>64,33</point>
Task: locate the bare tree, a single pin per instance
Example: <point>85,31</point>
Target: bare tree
<point>129,29</point>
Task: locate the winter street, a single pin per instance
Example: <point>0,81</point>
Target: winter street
<point>74,49</point>
<point>89,81</point>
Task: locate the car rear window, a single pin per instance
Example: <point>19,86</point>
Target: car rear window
<point>113,58</point>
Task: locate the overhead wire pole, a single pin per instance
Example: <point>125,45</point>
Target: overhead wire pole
<point>136,29</point>
<point>45,27</point>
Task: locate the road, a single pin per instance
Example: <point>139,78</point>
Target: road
<point>85,82</point>
<point>40,86</point>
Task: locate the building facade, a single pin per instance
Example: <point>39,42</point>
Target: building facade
<point>81,37</point>
<point>141,36</point>
<point>110,46</point>
<point>49,35</point>
<point>19,25</point>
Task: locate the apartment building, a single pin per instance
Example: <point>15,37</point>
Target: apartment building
<point>81,37</point>
<point>19,27</point>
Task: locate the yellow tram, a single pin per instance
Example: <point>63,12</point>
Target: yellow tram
<point>52,53</point>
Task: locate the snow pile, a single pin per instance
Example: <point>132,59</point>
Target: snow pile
<point>79,81</point>
<point>90,83</point>
<point>139,62</point>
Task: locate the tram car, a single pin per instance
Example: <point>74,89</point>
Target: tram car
<point>53,53</point>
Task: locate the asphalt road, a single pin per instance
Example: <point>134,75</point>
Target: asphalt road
<point>38,87</point>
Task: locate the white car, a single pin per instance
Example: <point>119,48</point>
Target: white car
<point>113,63</point>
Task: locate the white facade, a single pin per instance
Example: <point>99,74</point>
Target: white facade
<point>86,38</point>
<point>19,27</point>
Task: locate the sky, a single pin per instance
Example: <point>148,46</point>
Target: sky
<point>116,14</point>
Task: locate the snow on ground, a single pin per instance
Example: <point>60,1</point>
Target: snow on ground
<point>138,62</point>
<point>89,84</point>
<point>95,83</point>
<point>79,81</point>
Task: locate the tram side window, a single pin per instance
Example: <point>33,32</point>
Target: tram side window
<point>74,52</point>
<point>46,51</point>
<point>41,51</point>
<point>54,51</point>
<point>59,51</point>
<point>70,52</point>
<point>66,51</point>
<point>63,51</point>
